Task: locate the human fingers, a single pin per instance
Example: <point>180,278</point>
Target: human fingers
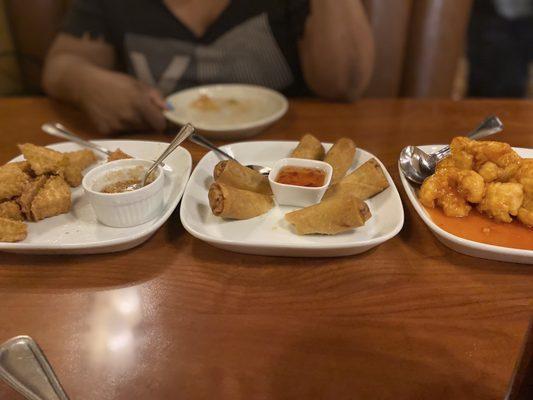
<point>153,115</point>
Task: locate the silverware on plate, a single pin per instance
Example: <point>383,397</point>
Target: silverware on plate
<point>417,165</point>
<point>182,135</point>
<point>58,130</point>
<point>202,141</point>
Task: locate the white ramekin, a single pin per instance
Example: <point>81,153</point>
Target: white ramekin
<point>302,196</point>
<point>124,209</point>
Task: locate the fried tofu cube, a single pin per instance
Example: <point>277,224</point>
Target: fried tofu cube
<point>81,158</point>
<point>28,194</point>
<point>53,199</point>
<point>502,200</point>
<point>11,210</point>
<point>77,161</point>
<point>118,155</point>
<point>12,231</point>
<point>12,182</point>
<point>43,160</point>
<point>24,166</point>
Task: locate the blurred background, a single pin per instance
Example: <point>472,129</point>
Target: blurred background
<point>425,48</point>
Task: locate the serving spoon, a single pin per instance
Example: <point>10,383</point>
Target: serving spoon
<point>202,141</point>
<point>417,165</point>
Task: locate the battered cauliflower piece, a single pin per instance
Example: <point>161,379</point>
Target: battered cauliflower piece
<point>525,213</point>
<point>453,204</point>
<point>502,200</point>
<point>448,162</point>
<point>461,154</point>
<point>524,176</point>
<point>489,171</point>
<point>495,161</point>
<point>471,185</point>
<point>452,189</point>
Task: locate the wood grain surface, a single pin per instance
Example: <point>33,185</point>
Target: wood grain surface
<point>178,319</point>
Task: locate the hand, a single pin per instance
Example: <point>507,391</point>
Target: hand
<point>117,102</point>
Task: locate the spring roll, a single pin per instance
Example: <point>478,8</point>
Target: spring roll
<point>232,203</point>
<point>365,182</point>
<point>340,157</point>
<point>232,173</point>
<point>12,231</point>
<point>329,217</point>
<point>309,147</point>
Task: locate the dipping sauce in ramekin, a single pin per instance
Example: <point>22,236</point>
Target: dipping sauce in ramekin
<point>301,176</point>
<point>124,208</point>
<point>303,182</point>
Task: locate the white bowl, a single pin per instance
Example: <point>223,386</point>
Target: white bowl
<point>465,246</point>
<point>258,108</point>
<point>293,195</point>
<point>129,208</point>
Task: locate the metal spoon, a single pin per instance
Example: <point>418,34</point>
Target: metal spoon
<point>24,367</point>
<point>417,165</point>
<point>489,126</point>
<point>183,134</point>
<point>202,141</point>
<point>58,130</point>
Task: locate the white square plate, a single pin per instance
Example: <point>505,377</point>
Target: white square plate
<point>269,234</point>
<point>78,232</point>
<point>461,245</point>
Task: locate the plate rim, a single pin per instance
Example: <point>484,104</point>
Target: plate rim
<point>304,246</point>
<point>243,126</point>
<point>437,230</point>
<point>6,246</point>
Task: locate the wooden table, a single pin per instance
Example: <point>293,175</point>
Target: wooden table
<point>176,318</point>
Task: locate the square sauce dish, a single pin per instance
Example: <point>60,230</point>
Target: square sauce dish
<point>299,182</point>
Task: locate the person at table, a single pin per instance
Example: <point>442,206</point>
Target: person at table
<point>116,59</point>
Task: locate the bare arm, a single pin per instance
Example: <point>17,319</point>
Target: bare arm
<point>337,49</point>
<point>80,71</point>
<point>71,59</point>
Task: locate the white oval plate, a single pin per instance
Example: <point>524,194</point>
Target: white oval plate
<point>269,234</point>
<point>78,232</point>
<point>256,108</point>
<point>464,246</point>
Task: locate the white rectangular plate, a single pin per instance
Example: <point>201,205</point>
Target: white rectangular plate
<point>461,245</point>
<point>269,234</point>
<point>78,232</point>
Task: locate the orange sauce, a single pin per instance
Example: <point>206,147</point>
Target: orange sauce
<point>482,229</point>
<point>301,176</point>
